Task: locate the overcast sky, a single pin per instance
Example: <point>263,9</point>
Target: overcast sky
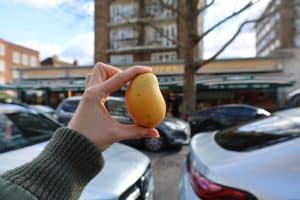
<point>49,27</point>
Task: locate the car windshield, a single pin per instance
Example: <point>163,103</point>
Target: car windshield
<point>70,106</point>
<point>259,134</point>
<point>21,129</point>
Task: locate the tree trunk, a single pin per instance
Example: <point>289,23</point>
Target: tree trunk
<point>189,90</point>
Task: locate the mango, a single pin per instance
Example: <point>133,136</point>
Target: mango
<point>144,101</point>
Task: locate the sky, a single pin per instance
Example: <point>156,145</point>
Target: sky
<point>56,27</point>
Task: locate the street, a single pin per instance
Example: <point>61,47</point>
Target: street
<point>167,171</point>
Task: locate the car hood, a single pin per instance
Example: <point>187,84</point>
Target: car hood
<point>123,167</point>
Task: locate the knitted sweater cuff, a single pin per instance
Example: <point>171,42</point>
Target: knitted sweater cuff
<point>63,168</point>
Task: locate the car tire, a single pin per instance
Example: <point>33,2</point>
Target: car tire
<point>155,144</point>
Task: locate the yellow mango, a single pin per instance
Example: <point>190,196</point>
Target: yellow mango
<point>144,101</point>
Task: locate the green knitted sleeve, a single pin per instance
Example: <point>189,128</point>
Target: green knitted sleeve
<point>63,168</point>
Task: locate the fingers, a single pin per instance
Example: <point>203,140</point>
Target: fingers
<point>117,81</point>
<point>87,79</point>
<point>126,132</point>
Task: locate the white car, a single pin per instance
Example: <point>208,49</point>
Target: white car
<point>127,174</point>
<point>258,160</point>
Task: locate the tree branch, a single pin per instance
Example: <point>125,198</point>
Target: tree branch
<point>201,63</point>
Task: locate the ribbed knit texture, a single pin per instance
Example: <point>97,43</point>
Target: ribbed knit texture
<point>61,171</point>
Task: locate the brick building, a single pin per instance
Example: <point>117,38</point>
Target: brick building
<point>281,30</point>
<point>15,56</point>
<point>130,31</point>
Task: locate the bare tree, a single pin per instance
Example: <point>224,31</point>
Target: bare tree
<point>187,12</point>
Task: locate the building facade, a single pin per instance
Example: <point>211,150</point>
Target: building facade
<point>130,31</point>
<point>255,81</point>
<point>15,56</point>
<point>281,30</point>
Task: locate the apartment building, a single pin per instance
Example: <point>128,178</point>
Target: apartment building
<point>280,30</point>
<point>130,31</point>
<point>15,56</point>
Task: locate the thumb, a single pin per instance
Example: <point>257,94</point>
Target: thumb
<point>136,132</point>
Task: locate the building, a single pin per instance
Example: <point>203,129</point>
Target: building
<point>257,81</point>
<point>55,61</point>
<point>15,56</point>
<point>281,30</point>
<point>130,31</point>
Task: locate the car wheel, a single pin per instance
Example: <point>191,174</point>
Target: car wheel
<point>155,144</point>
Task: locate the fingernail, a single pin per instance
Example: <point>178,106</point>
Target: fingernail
<point>154,133</point>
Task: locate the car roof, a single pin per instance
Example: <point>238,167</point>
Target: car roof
<point>11,108</point>
<point>109,98</point>
<point>293,93</point>
<point>236,105</point>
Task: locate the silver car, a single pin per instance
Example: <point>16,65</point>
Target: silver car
<point>257,160</point>
<point>24,132</point>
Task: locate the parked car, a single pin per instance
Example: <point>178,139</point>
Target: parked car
<point>47,110</point>
<point>257,160</point>
<point>224,116</point>
<point>293,99</point>
<point>173,131</point>
<point>24,133</point>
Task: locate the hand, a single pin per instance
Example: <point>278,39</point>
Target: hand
<point>92,119</point>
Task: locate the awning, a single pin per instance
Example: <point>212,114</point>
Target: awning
<point>227,81</point>
<point>239,81</point>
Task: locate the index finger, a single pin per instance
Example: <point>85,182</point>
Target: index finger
<point>117,81</point>
<point>100,73</point>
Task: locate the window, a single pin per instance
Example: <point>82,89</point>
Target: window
<point>16,74</point>
<point>121,59</point>
<point>259,134</point>
<point>16,57</point>
<point>2,49</point>
<point>120,13</point>
<point>33,61</point>
<point>25,59</point>
<point>164,57</point>
<point>116,108</point>
<point>70,106</point>
<point>20,129</point>
<point>2,65</point>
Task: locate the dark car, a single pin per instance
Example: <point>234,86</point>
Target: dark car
<point>173,131</point>
<point>224,116</point>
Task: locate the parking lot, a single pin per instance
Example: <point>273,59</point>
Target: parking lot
<point>167,170</point>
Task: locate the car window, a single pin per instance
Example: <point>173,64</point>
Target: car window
<point>241,112</point>
<point>116,108</point>
<point>70,106</point>
<point>11,136</point>
<point>258,134</point>
<point>24,128</point>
